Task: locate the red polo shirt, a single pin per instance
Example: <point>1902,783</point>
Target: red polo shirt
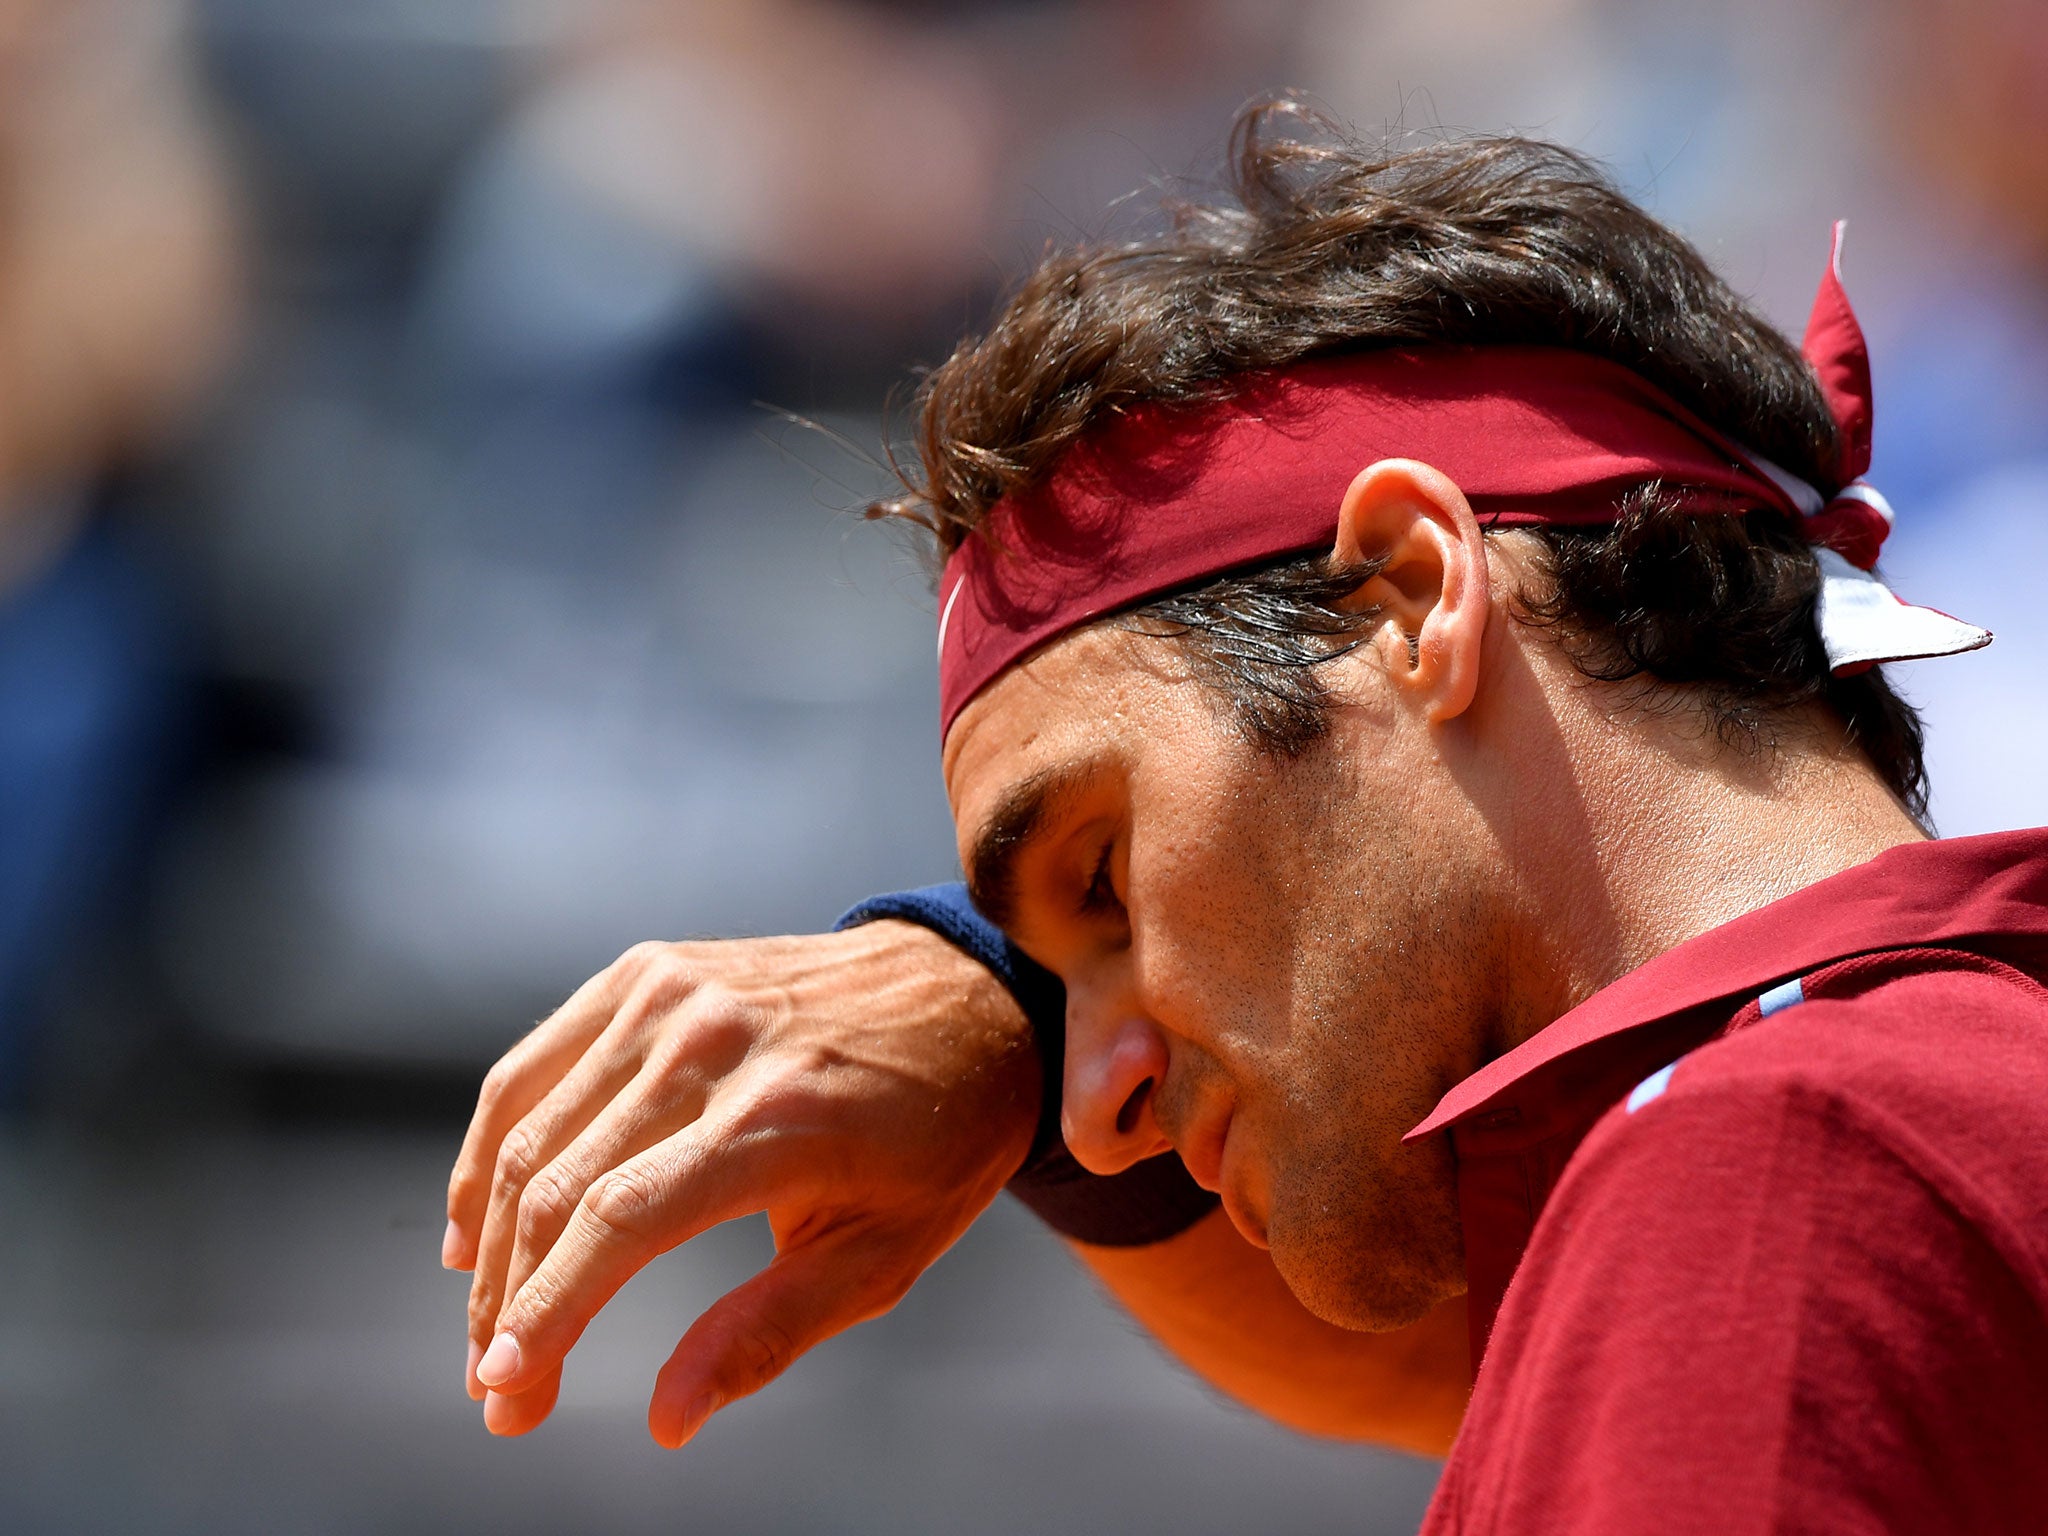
<point>1757,1237</point>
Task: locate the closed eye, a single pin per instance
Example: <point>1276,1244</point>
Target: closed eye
<point>1100,896</point>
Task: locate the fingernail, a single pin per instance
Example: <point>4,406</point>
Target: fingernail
<point>451,1247</point>
<point>500,1361</point>
<point>701,1408</point>
<point>476,1353</point>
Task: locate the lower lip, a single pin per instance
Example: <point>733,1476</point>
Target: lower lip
<point>1249,1227</point>
<point>1210,1175</point>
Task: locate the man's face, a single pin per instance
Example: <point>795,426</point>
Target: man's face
<point>1276,967</point>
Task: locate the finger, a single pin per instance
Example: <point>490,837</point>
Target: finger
<point>516,1414</point>
<point>661,1100</point>
<point>529,1148</point>
<point>755,1333</point>
<point>513,1086</point>
<point>640,1033</point>
<point>642,1208</point>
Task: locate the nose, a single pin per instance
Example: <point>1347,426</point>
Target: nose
<point>1116,1061</point>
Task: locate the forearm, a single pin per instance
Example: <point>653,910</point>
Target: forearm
<point>1218,1305</point>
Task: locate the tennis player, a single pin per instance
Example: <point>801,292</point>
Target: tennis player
<point>1450,932</point>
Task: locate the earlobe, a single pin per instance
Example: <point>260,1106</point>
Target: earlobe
<point>1413,523</point>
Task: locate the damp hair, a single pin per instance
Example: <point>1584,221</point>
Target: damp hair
<point>1318,243</point>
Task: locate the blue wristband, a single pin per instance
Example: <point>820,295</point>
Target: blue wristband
<point>1147,1203</point>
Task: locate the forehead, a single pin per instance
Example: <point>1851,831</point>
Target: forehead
<point>1091,698</point>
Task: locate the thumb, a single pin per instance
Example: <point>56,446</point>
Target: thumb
<point>754,1333</point>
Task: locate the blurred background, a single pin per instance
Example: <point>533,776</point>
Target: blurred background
<point>416,585</point>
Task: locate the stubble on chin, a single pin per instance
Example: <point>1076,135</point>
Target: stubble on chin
<point>1374,1248</point>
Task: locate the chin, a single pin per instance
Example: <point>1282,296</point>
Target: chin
<point>1366,1301</point>
<point>1365,1270</point>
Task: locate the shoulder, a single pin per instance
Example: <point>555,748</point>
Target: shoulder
<point>1798,1227</point>
<point>1924,1065</point>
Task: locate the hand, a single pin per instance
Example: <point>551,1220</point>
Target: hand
<point>870,1090</point>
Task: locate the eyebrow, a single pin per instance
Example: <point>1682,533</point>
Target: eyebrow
<point>1019,818</point>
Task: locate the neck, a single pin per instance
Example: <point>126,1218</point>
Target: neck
<point>1659,832</point>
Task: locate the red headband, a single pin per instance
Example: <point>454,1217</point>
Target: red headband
<point>1165,496</point>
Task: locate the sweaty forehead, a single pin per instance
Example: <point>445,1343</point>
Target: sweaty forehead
<point>1092,705</point>
<point>1100,688</point>
<point>1065,704</point>
<point>1017,761</point>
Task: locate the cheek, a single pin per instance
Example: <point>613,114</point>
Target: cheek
<point>1230,915</point>
<point>1206,934</point>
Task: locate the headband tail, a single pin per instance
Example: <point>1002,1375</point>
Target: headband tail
<point>1834,346</point>
<point>1863,622</point>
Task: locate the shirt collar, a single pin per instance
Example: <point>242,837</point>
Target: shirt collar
<point>1916,893</point>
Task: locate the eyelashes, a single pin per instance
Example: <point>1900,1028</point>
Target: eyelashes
<point>1100,895</point>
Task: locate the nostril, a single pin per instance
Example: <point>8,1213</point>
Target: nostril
<point>1134,1106</point>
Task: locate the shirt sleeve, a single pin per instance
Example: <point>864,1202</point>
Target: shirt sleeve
<point>1753,1306</point>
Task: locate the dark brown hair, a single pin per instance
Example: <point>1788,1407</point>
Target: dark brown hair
<point>1321,244</point>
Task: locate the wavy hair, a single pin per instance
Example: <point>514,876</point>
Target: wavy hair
<point>1319,243</point>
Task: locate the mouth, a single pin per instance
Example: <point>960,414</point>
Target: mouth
<point>1207,1156</point>
<point>1203,1149</point>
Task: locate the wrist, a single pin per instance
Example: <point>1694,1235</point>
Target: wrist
<point>945,911</point>
<point>1145,1204</point>
<point>957,1026</point>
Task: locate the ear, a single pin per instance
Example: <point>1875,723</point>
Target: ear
<point>1432,582</point>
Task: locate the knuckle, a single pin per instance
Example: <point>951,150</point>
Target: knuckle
<point>805,1069</point>
<point>536,1303</point>
<point>675,983</point>
<point>679,1060</point>
<point>792,1089</point>
<point>497,1085</point>
<point>725,1027</point>
<point>887,1289</point>
<point>713,995</point>
<point>658,983</point>
<point>641,955</point>
<point>544,1204</point>
<point>483,1309</point>
<point>624,1201</point>
<point>517,1159</point>
<point>766,1349</point>
<point>663,970</point>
